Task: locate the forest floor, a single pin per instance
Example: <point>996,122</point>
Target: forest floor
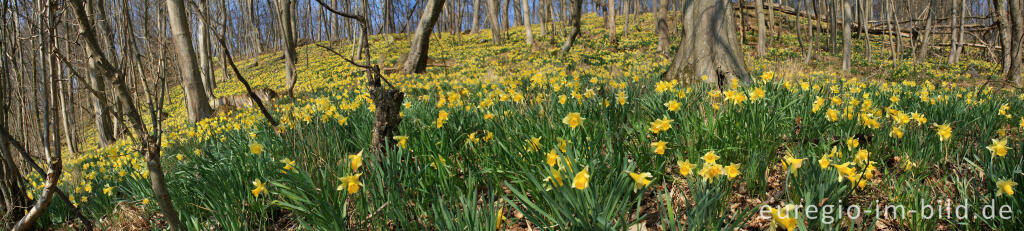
<point>518,137</point>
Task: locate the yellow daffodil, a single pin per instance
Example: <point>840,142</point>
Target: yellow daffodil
<point>824,162</point>
<point>660,125</point>
<point>710,157</point>
<point>442,117</point>
<point>402,141</point>
<point>350,183</point>
<point>1005,187</point>
<point>255,148</point>
<point>640,180</point>
<point>109,190</point>
<point>551,158</point>
<point>944,131</point>
<point>998,147</point>
<point>582,179</point>
<point>732,170</point>
<point>710,171</point>
<point>673,105</point>
<point>289,165</point>
<point>791,163</point>
<point>782,218</point>
<point>260,188</point>
<point>685,167</point>
<point>659,147</point>
<point>852,143</point>
<point>573,120</point>
<point>355,161</point>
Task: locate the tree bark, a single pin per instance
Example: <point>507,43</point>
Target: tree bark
<point>101,111</point>
<point>1017,41</point>
<point>151,147</point>
<point>865,15</point>
<point>255,33</point>
<point>611,22</point>
<point>925,46</point>
<point>577,7</point>
<point>662,28</point>
<point>810,36</point>
<point>761,30</point>
<point>710,46</point>
<point>526,23</point>
<point>284,9</point>
<point>205,61</point>
<point>416,61</point>
<point>493,22</point>
<point>195,96</point>
<point>847,20</point>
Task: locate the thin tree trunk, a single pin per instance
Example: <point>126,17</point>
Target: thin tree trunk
<point>1017,41</point>
<point>865,16</point>
<point>205,61</point>
<point>761,30</point>
<point>611,22</point>
<point>847,20</point>
<point>101,112</point>
<point>191,82</point>
<point>284,9</point>
<point>493,22</point>
<point>525,9</point>
<point>810,36</point>
<point>925,47</point>
<point>577,7</point>
<point>416,61</point>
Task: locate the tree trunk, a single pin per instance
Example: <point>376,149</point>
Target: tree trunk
<point>416,61</point>
<point>255,33</point>
<point>662,28</point>
<point>287,23</point>
<point>865,16</point>
<point>810,36</point>
<point>925,47</point>
<point>709,46</point>
<point>101,111</point>
<point>847,20</point>
<point>1017,42</point>
<point>1005,31</point>
<point>107,70</point>
<point>526,23</point>
<point>205,61</point>
<point>476,17</point>
<point>957,35</point>
<point>493,22</point>
<point>761,30</point>
<point>577,7</point>
<point>192,84</point>
<point>611,22</point>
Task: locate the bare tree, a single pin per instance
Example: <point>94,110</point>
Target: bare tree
<point>710,46</point>
<point>662,27</point>
<point>287,24</point>
<point>925,46</point>
<point>526,23</point>
<point>416,60</point>
<point>476,17</point>
<point>205,61</point>
<point>493,21</point>
<point>611,21</point>
<point>149,142</point>
<point>1016,48</point>
<point>191,82</point>
<point>577,7</point>
<point>761,30</point>
<point>847,20</point>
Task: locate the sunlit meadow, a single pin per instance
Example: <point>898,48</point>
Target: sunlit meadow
<point>509,137</point>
